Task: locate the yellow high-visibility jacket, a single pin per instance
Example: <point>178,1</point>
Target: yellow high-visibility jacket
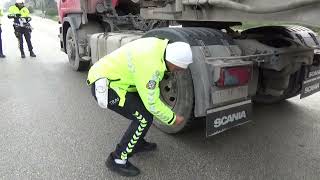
<point>14,10</point>
<point>137,66</point>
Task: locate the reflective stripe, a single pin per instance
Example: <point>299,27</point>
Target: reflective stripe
<point>124,156</point>
<point>130,145</point>
<point>129,150</point>
<point>130,64</point>
<point>138,133</point>
<point>143,121</point>
<point>152,98</point>
<point>139,117</point>
<point>133,141</point>
<point>143,125</point>
<point>140,128</point>
<point>157,113</point>
<point>135,137</point>
<point>170,122</point>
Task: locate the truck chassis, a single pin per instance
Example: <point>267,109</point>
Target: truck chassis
<point>231,69</point>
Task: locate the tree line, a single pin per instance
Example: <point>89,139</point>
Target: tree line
<point>48,7</point>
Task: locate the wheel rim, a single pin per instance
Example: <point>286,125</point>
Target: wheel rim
<point>173,87</point>
<point>168,89</point>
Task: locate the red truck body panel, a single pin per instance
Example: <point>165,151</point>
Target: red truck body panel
<point>66,7</point>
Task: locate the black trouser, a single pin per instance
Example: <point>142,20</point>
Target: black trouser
<point>1,52</point>
<point>20,32</point>
<point>134,110</point>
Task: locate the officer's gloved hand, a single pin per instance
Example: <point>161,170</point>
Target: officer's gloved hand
<point>179,120</point>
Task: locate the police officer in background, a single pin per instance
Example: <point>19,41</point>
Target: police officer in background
<point>121,82</point>
<point>21,16</point>
<point>1,51</point>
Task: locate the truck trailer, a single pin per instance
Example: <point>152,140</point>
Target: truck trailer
<point>232,69</point>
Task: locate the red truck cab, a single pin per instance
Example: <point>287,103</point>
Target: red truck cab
<point>66,7</point>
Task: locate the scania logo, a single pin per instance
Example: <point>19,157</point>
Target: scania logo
<point>312,88</point>
<point>229,118</point>
<point>314,73</point>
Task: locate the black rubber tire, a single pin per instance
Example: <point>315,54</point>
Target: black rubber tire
<point>185,93</point>
<point>73,54</point>
<point>181,87</point>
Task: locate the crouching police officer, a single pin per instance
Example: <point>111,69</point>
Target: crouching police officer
<point>21,25</point>
<point>127,82</point>
<point>1,51</point>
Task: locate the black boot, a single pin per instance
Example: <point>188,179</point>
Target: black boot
<point>23,55</point>
<point>32,54</point>
<point>143,146</point>
<point>2,56</point>
<point>127,169</point>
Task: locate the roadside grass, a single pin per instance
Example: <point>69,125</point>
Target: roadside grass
<point>52,16</point>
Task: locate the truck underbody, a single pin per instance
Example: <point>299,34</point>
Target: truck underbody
<point>265,64</point>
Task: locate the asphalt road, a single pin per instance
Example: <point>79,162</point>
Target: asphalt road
<point>51,128</point>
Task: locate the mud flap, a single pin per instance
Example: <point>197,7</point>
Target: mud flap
<point>223,118</point>
<point>311,83</point>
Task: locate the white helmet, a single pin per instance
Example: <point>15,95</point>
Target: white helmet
<point>19,1</point>
<point>179,54</point>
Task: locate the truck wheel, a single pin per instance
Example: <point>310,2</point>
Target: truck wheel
<point>73,55</point>
<point>176,90</point>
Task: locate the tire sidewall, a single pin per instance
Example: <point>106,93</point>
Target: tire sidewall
<point>74,63</point>
<point>184,104</point>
